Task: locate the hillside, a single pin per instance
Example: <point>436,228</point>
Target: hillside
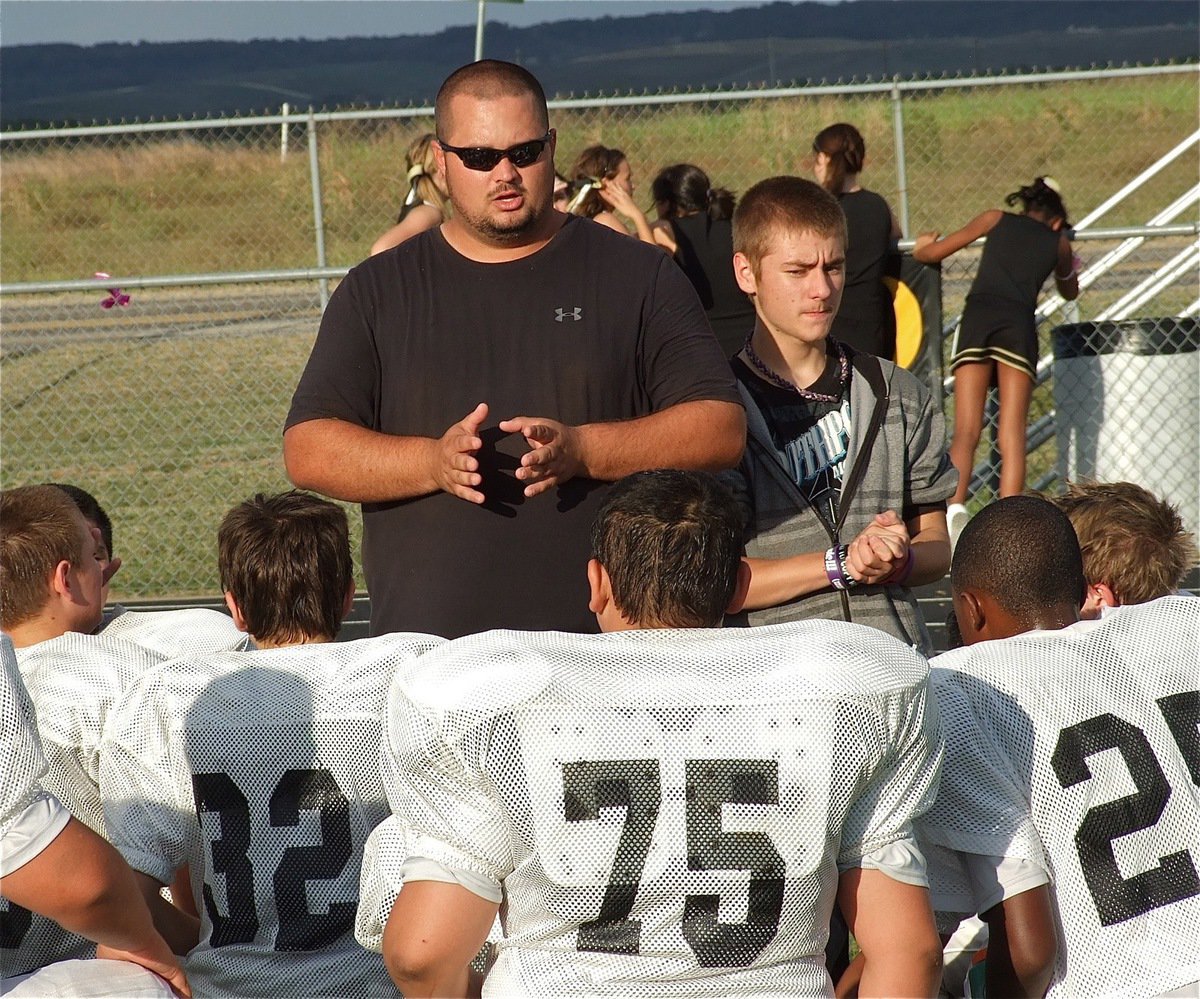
<point>777,42</point>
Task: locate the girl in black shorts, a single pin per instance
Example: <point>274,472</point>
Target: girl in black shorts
<point>998,336</point>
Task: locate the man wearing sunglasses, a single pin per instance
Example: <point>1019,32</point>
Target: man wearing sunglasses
<point>576,356</point>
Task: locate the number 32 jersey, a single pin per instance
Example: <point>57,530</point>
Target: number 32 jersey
<point>1078,751</point>
<point>661,813</point>
<point>260,770</point>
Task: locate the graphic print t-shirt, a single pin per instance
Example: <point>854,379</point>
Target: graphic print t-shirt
<point>811,438</point>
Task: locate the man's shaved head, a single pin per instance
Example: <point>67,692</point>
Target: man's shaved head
<point>487,80</point>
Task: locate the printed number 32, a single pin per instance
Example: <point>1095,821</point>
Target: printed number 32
<point>299,929</point>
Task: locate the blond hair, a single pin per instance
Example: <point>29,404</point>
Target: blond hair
<point>1131,540</point>
<point>421,166</point>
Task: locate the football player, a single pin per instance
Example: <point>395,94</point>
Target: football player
<point>258,772</point>
<point>669,808</point>
<point>51,583</point>
<point>39,841</point>
<point>170,633</point>
<point>1072,757</point>
<point>1134,545</point>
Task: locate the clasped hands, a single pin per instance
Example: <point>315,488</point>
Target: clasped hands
<point>881,549</point>
<point>553,457</point>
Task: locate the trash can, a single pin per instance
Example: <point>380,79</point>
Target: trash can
<point>1127,404</point>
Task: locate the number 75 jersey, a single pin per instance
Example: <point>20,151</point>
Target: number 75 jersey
<point>661,813</point>
<point>1079,751</point>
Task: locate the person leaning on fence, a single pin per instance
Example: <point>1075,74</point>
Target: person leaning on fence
<point>1135,547</point>
<point>426,203</point>
<point>695,226</point>
<point>602,189</point>
<point>469,524</point>
<point>845,473</point>
<point>866,319</point>
<point>997,340</point>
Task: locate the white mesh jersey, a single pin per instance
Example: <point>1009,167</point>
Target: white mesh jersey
<point>1078,750</point>
<point>190,631</point>
<point>92,979</point>
<point>24,764</point>
<point>260,770</point>
<point>663,811</point>
<point>74,681</point>
<point>380,885</point>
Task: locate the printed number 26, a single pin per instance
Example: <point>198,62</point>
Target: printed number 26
<point>1174,879</point>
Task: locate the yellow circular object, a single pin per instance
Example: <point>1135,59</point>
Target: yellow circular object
<point>910,324</point>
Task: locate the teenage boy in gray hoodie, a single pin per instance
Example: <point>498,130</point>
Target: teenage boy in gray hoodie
<point>845,474</point>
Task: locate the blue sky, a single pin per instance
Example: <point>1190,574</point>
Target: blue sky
<point>84,22</point>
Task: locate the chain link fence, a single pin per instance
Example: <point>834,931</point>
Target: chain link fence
<point>227,235</point>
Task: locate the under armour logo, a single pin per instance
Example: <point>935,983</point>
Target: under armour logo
<point>574,314</point>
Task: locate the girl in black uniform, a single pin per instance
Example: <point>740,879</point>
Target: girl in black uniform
<point>866,319</point>
<point>998,335</point>
<point>694,226</point>
<point>427,203</point>
<point>602,189</point>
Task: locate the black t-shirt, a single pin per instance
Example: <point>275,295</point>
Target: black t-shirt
<point>705,252</point>
<point>593,327</point>
<point>866,319</point>
<point>1018,256</point>
<point>811,437</point>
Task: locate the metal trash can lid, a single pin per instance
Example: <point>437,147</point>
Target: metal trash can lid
<point>1164,335</point>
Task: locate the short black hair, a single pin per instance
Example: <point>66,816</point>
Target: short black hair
<point>1024,552</point>
<point>487,79</point>
<point>92,511</point>
<point>671,542</point>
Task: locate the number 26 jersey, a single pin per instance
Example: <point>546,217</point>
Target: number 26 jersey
<point>1078,750</point>
<point>661,813</point>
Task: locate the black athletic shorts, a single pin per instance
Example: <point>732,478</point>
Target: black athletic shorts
<point>996,330</point>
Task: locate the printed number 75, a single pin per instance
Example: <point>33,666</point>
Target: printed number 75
<point>635,785</point>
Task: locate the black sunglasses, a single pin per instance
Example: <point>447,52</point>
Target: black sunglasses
<point>523,154</point>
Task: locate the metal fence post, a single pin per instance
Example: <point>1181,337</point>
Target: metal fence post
<point>184,307</point>
<point>283,133</point>
<point>314,171</point>
<point>901,166</point>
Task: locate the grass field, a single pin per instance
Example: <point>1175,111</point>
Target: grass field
<point>171,410</point>
<point>162,204</point>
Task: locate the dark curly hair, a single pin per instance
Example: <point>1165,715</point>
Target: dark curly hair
<point>1043,197</point>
